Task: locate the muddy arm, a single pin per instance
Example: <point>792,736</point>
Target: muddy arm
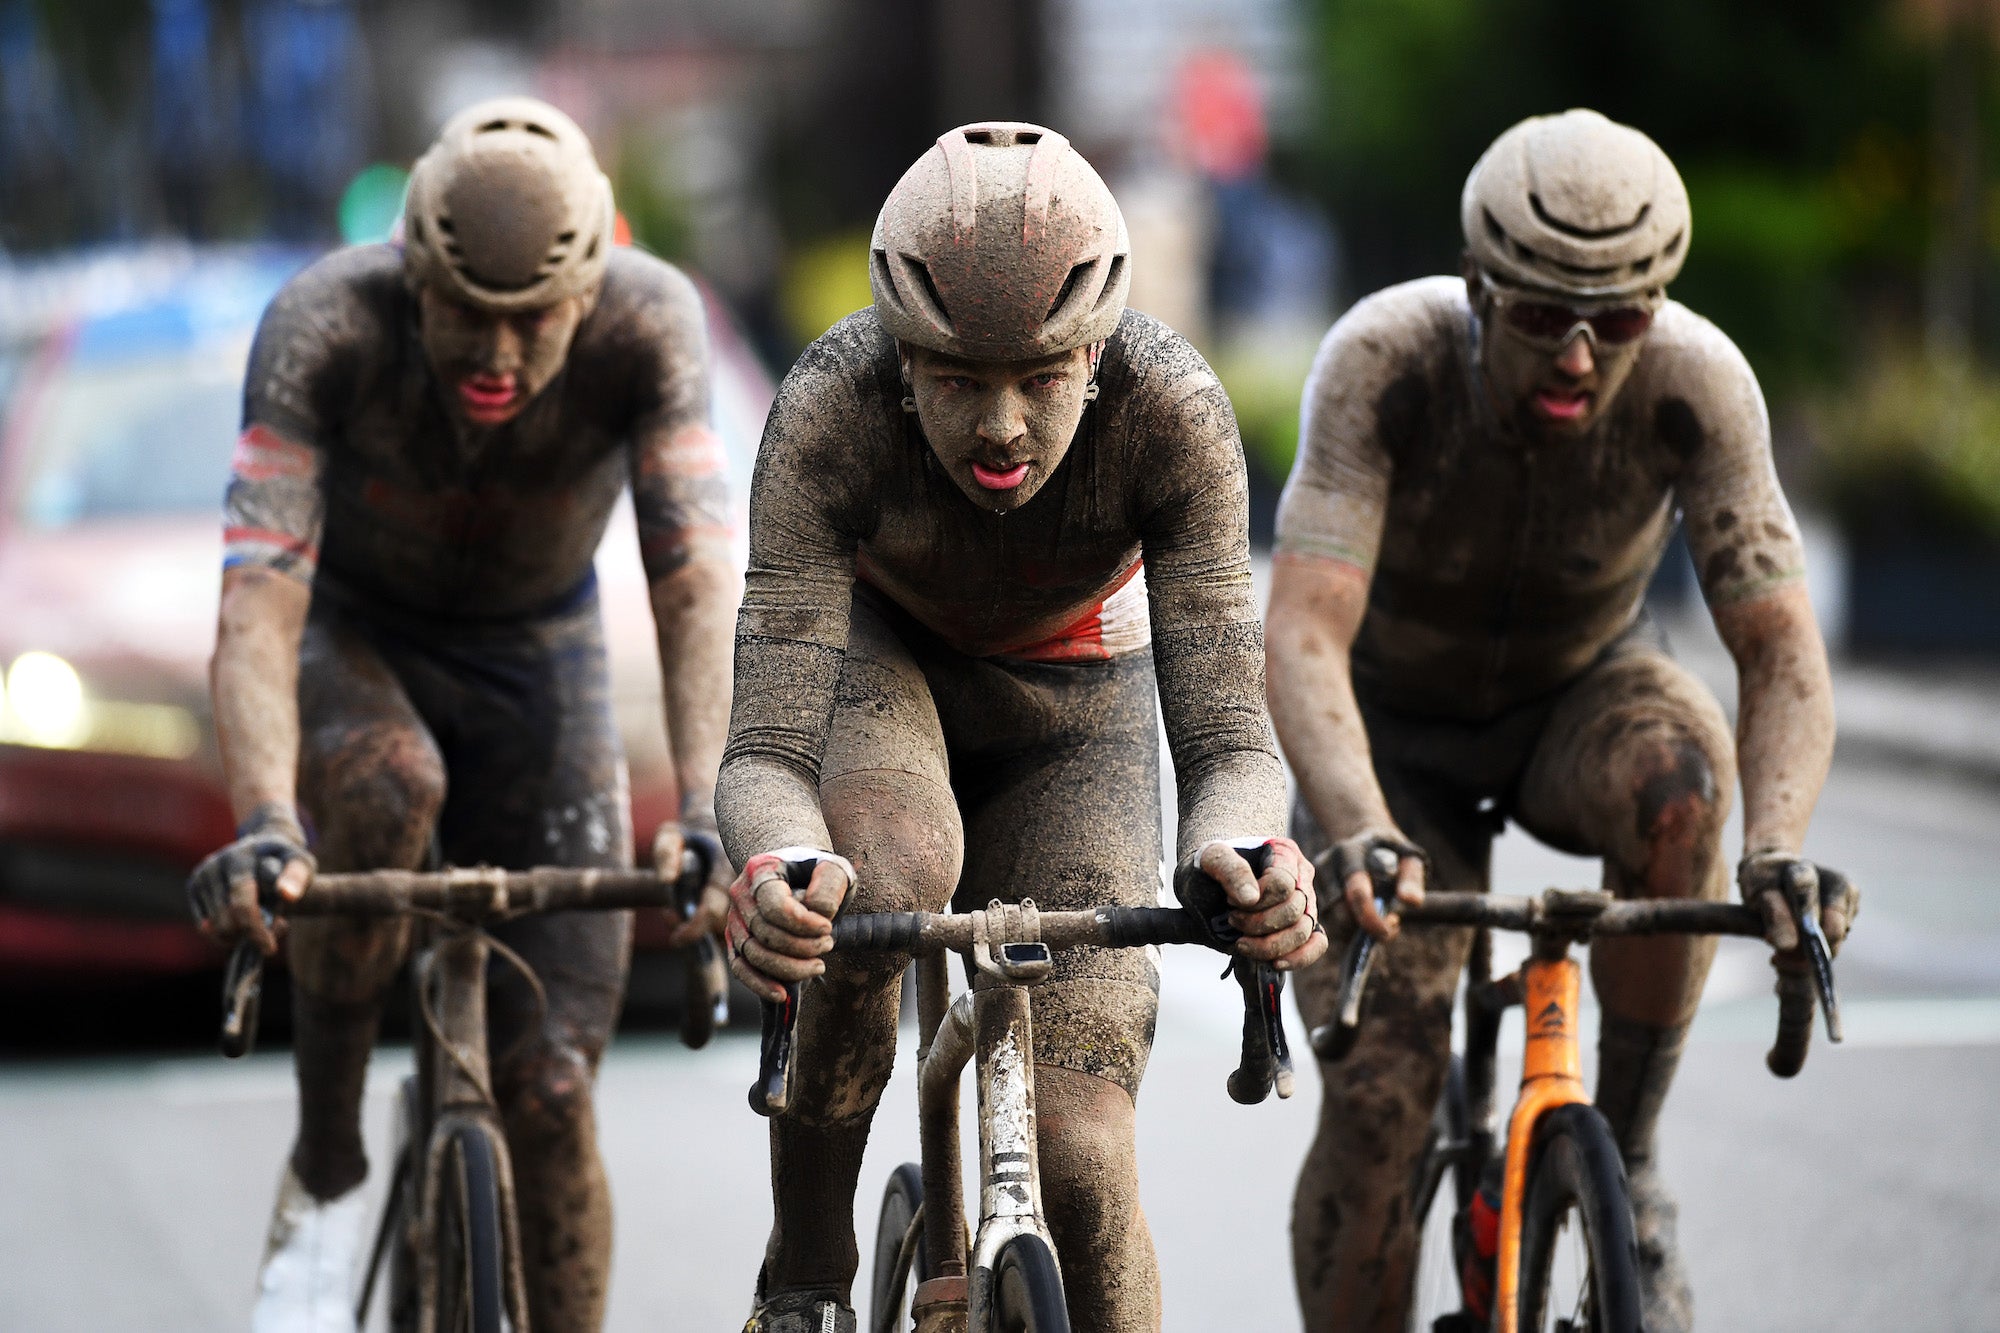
<point>254,683</point>
<point>1784,725</point>
<point>1316,610</point>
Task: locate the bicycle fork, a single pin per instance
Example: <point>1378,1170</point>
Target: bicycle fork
<point>1551,1076</point>
<point>455,1077</point>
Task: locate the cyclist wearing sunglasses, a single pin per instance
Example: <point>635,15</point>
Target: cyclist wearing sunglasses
<point>1490,470</point>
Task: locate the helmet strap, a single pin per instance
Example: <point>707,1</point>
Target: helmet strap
<point>1090,386</point>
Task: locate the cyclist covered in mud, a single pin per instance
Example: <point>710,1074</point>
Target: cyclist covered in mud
<point>1491,468</point>
<point>979,503</point>
<point>410,660</point>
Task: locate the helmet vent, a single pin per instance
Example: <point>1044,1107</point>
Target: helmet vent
<point>931,292</point>
<point>1586,233</point>
<point>1068,289</point>
<point>1109,291</point>
<point>524,126</point>
<point>918,292</point>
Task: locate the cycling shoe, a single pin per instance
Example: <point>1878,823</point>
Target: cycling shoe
<point>306,1283</point>
<point>801,1312</point>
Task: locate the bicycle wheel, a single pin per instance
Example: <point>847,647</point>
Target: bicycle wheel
<point>390,1250</point>
<point>466,1231</point>
<point>1445,1177</point>
<point>1579,1261</point>
<point>1027,1289</point>
<point>899,1251</point>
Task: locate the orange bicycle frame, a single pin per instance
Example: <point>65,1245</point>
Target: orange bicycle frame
<point>1551,1076</point>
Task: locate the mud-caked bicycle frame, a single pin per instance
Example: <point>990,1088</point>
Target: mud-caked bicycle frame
<point>1011,947</point>
<point>1548,989</point>
<point>448,1120</point>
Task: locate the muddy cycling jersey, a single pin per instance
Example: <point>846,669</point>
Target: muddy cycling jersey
<point>1503,567</point>
<point>350,465</point>
<point>847,487</point>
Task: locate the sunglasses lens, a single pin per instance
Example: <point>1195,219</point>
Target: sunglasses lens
<point>1621,326</point>
<point>1540,320</point>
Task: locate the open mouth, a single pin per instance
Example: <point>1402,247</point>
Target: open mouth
<point>999,481</point>
<point>1562,405</point>
<point>488,397</point>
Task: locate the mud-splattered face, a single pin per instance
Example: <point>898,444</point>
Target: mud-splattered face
<point>999,427</point>
<point>1555,367</point>
<point>492,365</point>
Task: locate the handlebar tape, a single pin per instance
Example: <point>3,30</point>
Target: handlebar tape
<point>1795,1022</point>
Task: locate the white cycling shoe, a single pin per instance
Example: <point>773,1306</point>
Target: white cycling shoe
<point>306,1284</point>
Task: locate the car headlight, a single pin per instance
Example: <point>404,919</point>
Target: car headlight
<point>46,705</point>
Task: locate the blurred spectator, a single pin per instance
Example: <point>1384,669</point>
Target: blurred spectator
<point>308,107</point>
<point>190,139</point>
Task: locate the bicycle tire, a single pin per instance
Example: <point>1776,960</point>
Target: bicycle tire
<point>899,1251</point>
<point>1444,1180</point>
<point>401,1258</point>
<point>1027,1289</point>
<point>1576,1173</point>
<point>471,1295</point>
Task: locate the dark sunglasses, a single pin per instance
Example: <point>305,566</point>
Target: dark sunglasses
<point>1545,321</point>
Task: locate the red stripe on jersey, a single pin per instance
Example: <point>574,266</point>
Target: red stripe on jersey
<point>284,541</point>
<point>262,454</point>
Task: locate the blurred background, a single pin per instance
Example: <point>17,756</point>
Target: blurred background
<point>165,164</point>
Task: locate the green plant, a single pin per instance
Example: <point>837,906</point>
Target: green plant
<point>1914,444</point>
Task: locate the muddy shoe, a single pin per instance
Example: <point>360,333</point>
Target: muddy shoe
<point>1666,1299</point>
<point>306,1284</point>
<point>801,1312</point>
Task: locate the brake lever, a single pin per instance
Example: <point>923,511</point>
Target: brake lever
<point>242,993</point>
<point>1804,897</point>
<point>1821,954</point>
<point>1266,1062</point>
<point>1332,1041</point>
<point>705,992</point>
<point>772,1093</point>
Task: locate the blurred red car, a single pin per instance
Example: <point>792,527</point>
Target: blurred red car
<point>116,427</point>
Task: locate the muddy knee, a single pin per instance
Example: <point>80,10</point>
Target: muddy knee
<point>548,1094</point>
<point>1089,1166</point>
<point>374,793</point>
<point>1671,795</point>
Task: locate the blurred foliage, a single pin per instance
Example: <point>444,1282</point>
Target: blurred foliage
<point>1799,125</point>
<point>1264,382</point>
<point>1914,446</point>
<point>825,281</point>
<point>643,184</point>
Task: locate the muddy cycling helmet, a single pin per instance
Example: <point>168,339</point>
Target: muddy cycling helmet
<point>1578,205</point>
<point>507,210</point>
<point>1000,244</point>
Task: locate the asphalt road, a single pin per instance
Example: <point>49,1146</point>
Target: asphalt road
<point>1862,1195</point>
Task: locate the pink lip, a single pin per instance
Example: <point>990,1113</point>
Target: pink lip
<point>488,398</point>
<point>999,481</point>
<point>1562,406</point>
